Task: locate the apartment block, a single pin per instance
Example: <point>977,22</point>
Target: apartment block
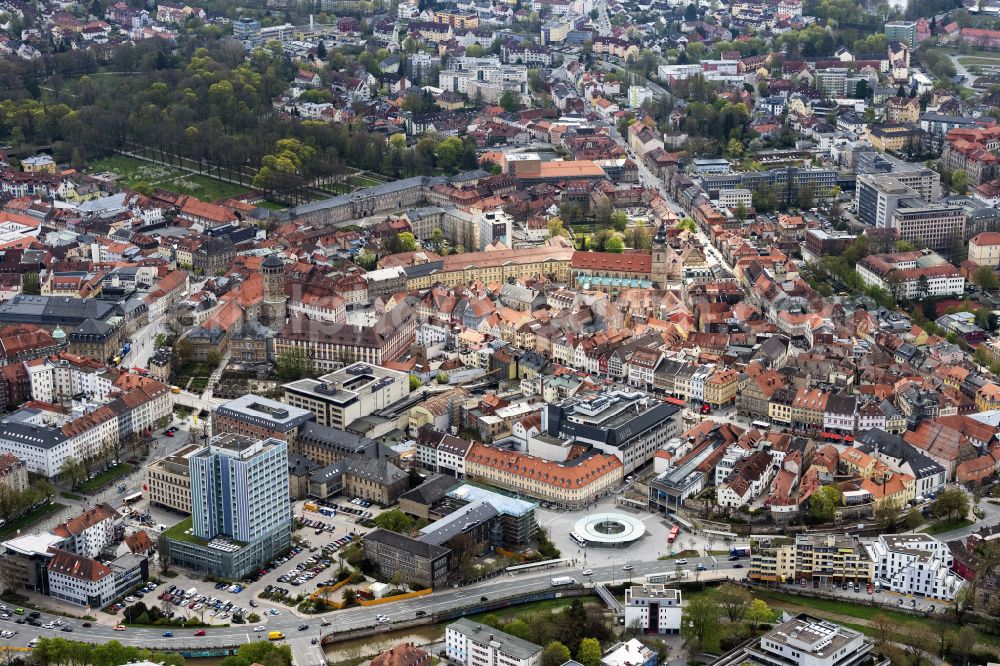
<point>655,608</point>
<point>168,480</point>
<point>472,644</point>
<point>916,564</point>
<point>826,558</point>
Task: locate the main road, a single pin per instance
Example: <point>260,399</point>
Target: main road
<point>449,599</point>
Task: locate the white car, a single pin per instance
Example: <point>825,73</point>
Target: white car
<point>588,572</point>
<point>683,560</point>
<point>259,627</point>
<point>628,567</point>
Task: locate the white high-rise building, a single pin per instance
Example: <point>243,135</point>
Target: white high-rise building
<point>239,488</point>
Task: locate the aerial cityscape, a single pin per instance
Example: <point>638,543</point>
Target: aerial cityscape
<point>500,332</point>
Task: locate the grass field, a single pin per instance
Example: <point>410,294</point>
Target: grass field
<point>105,478</point>
<point>861,612</point>
<point>272,205</point>
<point>970,62</point>
<point>547,606</point>
<point>134,171</point>
<point>947,525</point>
<point>363,181</point>
<point>30,518</point>
<point>203,187</point>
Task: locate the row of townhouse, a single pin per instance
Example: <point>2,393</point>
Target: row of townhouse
<point>708,383</point>
<point>47,440</point>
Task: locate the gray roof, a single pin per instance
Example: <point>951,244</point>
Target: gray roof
<point>259,410</point>
<point>430,491</point>
<point>42,437</point>
<point>483,634</point>
<point>67,311</point>
<point>406,544</point>
<point>378,190</point>
<point>379,471</point>
<point>342,441</point>
<point>458,522</point>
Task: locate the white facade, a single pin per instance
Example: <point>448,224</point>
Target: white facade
<point>473,644</point>
<point>56,379</point>
<point>79,591</point>
<point>915,564</point>
<point>653,608</point>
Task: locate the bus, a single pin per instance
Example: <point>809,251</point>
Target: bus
<point>674,531</point>
<point>580,541</point>
<point>760,425</point>
<point>133,498</point>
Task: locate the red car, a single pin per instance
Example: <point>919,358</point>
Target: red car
<point>706,409</point>
<point>168,433</point>
<point>200,632</point>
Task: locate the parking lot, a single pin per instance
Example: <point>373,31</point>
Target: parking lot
<point>313,562</point>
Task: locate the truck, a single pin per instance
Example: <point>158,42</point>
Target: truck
<point>559,581</point>
<point>740,550</point>
<point>190,593</point>
<point>275,635</point>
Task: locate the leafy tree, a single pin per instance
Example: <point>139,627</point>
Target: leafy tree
<point>556,228</point>
<point>887,512</point>
<point>619,220</point>
<point>570,212</point>
<point>960,181</point>
<point>407,242</point>
<point>688,225</point>
<point>699,620</point>
<point>395,521</point>
<point>589,653</point>
<point>415,383</point>
<point>555,654</point>
<point>759,613</point>
<point>615,244</point>
<point>734,149</point>
<point>449,151</point>
<point>923,286</point>
<point>294,363</point>
<point>509,101</point>
<point>734,601</point>
<point>950,503</point>
<point>986,278</point>
<point>824,502</point>
<point>321,50</point>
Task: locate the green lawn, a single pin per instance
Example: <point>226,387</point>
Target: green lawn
<point>105,478</point>
<point>179,532</point>
<point>30,518</point>
<point>680,554</point>
<point>272,205</point>
<point>980,61</point>
<point>363,181</point>
<point>862,612</point>
<point>947,525</point>
<point>546,606</point>
<point>133,170</point>
<point>72,496</point>
<point>203,187</point>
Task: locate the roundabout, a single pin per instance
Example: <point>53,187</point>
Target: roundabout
<point>609,530</point>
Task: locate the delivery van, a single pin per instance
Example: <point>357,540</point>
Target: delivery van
<point>275,635</point>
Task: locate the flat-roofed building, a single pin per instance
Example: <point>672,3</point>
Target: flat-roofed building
<point>655,608</point>
<point>168,480</point>
<point>826,558</point>
<point>338,398</point>
<point>258,417</point>
<point>803,641</point>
